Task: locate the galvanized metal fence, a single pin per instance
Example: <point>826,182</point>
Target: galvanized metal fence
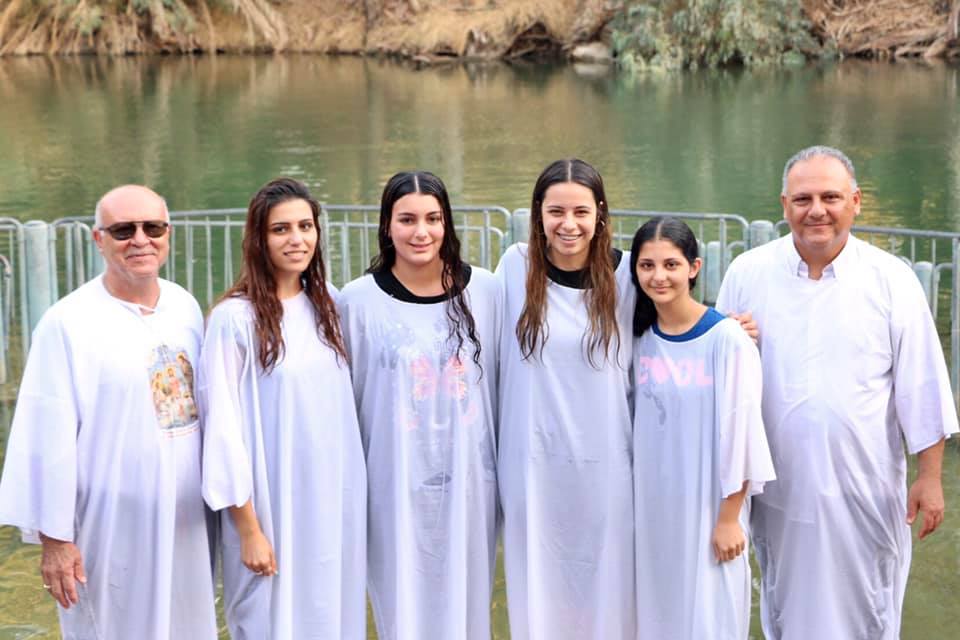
<point>40,262</point>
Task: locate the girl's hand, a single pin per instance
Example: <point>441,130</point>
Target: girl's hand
<point>728,541</point>
<point>257,554</point>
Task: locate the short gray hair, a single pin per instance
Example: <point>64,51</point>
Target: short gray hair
<point>98,209</point>
<point>819,151</point>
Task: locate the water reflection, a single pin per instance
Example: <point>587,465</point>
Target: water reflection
<point>207,131</point>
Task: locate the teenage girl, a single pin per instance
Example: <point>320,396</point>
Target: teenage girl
<point>421,330</point>
<point>699,446</point>
<point>282,455</point>
<point>565,450</point>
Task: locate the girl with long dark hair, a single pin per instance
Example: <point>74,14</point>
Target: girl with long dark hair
<point>565,450</point>
<point>421,332</point>
<point>282,451</point>
<point>699,446</point>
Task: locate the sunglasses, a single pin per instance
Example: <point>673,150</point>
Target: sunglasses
<point>126,230</point>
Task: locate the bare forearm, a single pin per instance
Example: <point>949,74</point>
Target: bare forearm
<point>930,461</point>
<point>245,519</point>
<point>731,505</point>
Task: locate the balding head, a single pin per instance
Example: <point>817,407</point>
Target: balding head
<point>128,197</point>
<point>132,260</point>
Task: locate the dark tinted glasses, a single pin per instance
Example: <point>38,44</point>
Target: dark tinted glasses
<point>126,230</point>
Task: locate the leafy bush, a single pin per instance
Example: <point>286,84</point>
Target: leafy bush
<point>673,34</point>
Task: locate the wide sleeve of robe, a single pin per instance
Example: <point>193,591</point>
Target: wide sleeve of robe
<point>39,486</point>
<point>743,454</point>
<point>227,475</point>
<point>921,384</point>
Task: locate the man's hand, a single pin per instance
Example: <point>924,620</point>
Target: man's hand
<point>748,324</point>
<point>61,567</point>
<point>926,495</point>
<point>926,492</point>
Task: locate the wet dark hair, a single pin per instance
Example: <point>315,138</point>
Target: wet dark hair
<point>677,233</point>
<point>601,293</point>
<point>459,318</point>
<point>257,283</point>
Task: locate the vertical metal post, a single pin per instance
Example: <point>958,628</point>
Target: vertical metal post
<point>4,343</point>
<point>761,232</point>
<point>228,255</point>
<point>40,292</point>
<point>188,255</point>
<point>519,226</point>
<point>955,324</point>
<point>208,234</point>
<point>713,263</point>
<point>924,272</point>
<point>325,227</point>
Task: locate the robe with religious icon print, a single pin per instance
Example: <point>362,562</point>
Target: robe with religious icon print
<point>288,439</point>
<point>427,415</point>
<point>697,437</point>
<point>104,451</point>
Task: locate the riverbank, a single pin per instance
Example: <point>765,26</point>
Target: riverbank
<point>410,28</point>
<point>657,33</point>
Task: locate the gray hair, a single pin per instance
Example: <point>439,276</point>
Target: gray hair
<point>819,151</point>
<point>98,209</point>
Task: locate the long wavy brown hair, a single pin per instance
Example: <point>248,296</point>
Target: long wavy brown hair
<point>601,292</point>
<point>258,284</point>
<point>459,317</point>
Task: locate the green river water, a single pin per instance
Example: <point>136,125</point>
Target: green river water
<point>207,132</point>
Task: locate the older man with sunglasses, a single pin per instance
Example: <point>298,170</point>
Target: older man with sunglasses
<point>103,462</point>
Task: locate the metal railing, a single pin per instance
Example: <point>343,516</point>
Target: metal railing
<point>40,262</point>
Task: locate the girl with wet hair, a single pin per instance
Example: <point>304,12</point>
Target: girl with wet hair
<point>282,453</point>
<point>421,332</point>
<point>699,446</point>
<point>565,450</point>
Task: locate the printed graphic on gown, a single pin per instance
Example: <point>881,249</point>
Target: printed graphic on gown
<point>437,375</point>
<point>657,370</point>
<point>435,398</point>
<point>171,384</point>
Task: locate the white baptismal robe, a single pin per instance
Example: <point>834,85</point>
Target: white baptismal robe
<point>104,451</point>
<point>564,467</point>
<point>428,424</point>
<point>697,437</point>
<point>852,367</point>
<point>288,439</point>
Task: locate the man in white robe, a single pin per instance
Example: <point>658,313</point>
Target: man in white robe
<point>103,462</point>
<point>853,370</point>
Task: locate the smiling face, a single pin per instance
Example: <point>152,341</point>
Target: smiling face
<point>291,238</point>
<point>135,262</point>
<point>416,230</point>
<point>820,205</point>
<point>569,213</point>
<point>664,272</point>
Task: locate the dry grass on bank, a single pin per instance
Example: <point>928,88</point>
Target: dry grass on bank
<point>505,28</point>
<point>888,28</point>
<point>176,26</point>
<point>471,28</point>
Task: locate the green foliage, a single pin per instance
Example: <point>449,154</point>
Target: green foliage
<point>674,34</point>
<point>89,21</point>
